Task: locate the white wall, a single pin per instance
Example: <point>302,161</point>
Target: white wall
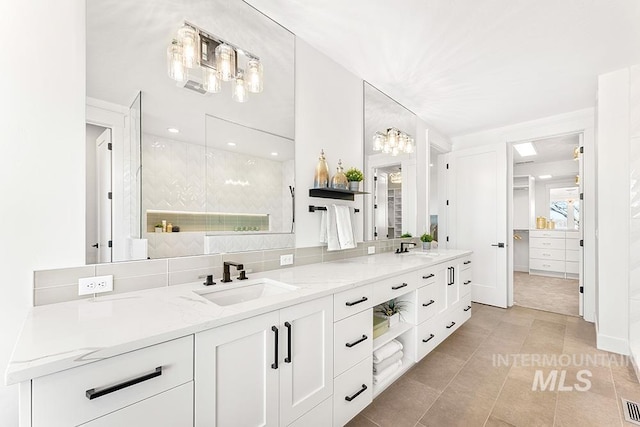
<point>329,116</point>
<point>42,168</point>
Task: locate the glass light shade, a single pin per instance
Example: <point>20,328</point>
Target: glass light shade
<point>226,62</point>
<point>254,76</point>
<point>240,93</point>
<point>175,62</point>
<point>410,146</point>
<point>187,38</point>
<point>392,137</point>
<point>394,151</point>
<point>402,141</point>
<point>386,149</point>
<point>378,141</point>
<point>210,80</point>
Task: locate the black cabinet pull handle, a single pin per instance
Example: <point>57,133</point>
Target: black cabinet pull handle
<point>467,262</point>
<point>451,325</point>
<point>350,398</point>
<point>350,303</point>
<point>429,276</point>
<point>429,339</point>
<point>274,365</point>
<point>395,288</point>
<point>289,327</point>
<point>467,282</point>
<point>427,304</point>
<point>351,344</point>
<point>453,275</point>
<point>94,393</point>
<point>468,308</point>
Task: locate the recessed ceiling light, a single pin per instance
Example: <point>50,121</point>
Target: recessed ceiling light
<point>231,144</point>
<point>274,154</point>
<point>545,176</point>
<point>525,149</point>
<point>431,165</point>
<point>173,130</point>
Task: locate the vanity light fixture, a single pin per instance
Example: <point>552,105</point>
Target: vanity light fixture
<point>526,149</point>
<point>219,60</point>
<point>393,142</point>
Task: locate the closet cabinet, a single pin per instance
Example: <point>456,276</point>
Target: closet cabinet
<point>554,253</point>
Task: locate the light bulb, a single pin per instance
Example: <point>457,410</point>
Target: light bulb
<point>254,76</point>
<point>187,38</point>
<point>240,93</point>
<point>210,80</point>
<point>402,141</point>
<point>225,62</point>
<point>394,151</point>
<point>175,62</point>
<point>410,146</point>
<point>392,137</point>
<point>378,141</point>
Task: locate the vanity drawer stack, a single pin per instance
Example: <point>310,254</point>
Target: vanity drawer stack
<point>430,302</point>
<point>554,252</point>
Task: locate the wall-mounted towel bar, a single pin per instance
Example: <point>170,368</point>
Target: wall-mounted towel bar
<point>324,208</point>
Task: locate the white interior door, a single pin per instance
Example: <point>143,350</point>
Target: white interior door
<point>581,216</point>
<point>103,195</point>
<point>478,217</point>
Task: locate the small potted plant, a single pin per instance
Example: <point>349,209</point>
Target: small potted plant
<point>391,310</point>
<point>158,228</point>
<point>406,236</point>
<point>426,240</point>
<point>354,176</point>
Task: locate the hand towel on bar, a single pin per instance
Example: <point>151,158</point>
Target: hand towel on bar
<point>323,227</point>
<point>386,350</point>
<point>333,244</point>
<point>345,229</point>
<point>381,366</point>
<point>380,377</point>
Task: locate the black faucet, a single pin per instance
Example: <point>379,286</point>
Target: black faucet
<point>226,274</point>
<point>209,281</point>
<point>402,248</point>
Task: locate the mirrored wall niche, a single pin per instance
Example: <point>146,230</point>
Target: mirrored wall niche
<point>127,45</point>
<point>391,205</point>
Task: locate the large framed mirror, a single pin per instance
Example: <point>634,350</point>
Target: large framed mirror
<point>128,43</point>
<point>391,205</point>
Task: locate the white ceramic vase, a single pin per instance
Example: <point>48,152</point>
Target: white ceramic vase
<point>394,320</point>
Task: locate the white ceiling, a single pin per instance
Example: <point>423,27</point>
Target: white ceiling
<point>468,65</point>
<point>551,149</point>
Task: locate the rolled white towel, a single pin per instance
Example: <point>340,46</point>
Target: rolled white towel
<point>380,377</point>
<point>386,350</point>
<point>379,367</point>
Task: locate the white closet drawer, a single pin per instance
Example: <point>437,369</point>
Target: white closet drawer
<point>546,243</point>
<point>90,391</point>
<point>429,336</point>
<point>572,267</point>
<point>353,301</point>
<point>352,392</point>
<point>465,282</point>
<point>547,233</point>
<point>430,302</point>
<point>353,340</point>
<point>547,254</point>
<point>573,256</point>
<point>546,265</point>
<point>389,289</point>
<point>573,235</point>
<point>573,244</point>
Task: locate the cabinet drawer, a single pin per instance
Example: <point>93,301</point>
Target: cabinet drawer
<point>429,336</point>
<point>465,282</point>
<point>388,289</point>
<point>573,256</point>
<point>572,267</point>
<point>464,311</point>
<point>546,265</point>
<point>573,235</point>
<point>546,243</point>
<point>573,244</point>
<point>168,409</point>
<point>547,233</point>
<point>352,392</point>
<point>547,254</point>
<point>63,398</point>
<point>426,277</point>
<point>465,263</point>
<point>353,340</point>
<point>353,301</point>
<point>430,302</point>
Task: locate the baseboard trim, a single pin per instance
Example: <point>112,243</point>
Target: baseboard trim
<point>612,344</point>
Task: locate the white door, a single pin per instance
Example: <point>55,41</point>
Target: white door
<point>306,374</point>
<point>236,373</point>
<point>478,217</point>
<point>581,214</point>
<point>103,195</point>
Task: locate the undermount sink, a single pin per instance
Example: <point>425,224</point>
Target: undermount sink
<point>238,292</point>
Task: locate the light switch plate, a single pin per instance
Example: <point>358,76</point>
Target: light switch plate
<point>371,250</point>
<point>286,259</point>
<point>95,285</point>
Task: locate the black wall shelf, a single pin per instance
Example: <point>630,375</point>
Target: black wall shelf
<point>333,193</point>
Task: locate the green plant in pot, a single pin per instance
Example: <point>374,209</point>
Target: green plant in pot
<point>405,235</point>
<point>392,310</point>
<point>426,240</point>
<point>158,228</point>
<point>354,176</point>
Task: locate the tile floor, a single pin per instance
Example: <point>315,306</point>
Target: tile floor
<point>546,293</point>
<point>459,383</point>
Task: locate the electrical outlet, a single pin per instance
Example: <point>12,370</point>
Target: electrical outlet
<point>95,285</point>
<point>286,259</point>
<point>371,250</point>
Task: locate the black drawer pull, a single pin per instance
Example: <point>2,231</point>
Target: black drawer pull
<point>288,358</point>
<point>274,365</point>
<point>350,398</point>
<point>429,339</point>
<point>350,303</point>
<point>429,276</point>
<point>351,344</point>
<point>468,308</point>
<point>395,288</point>
<point>467,282</point>
<point>94,393</point>
<point>467,262</point>
<point>451,325</point>
<point>427,304</point>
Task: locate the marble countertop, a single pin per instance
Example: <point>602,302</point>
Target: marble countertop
<point>66,335</point>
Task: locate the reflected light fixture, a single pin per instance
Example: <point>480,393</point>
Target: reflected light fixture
<point>395,177</point>
<point>393,142</point>
<point>576,153</point>
<point>219,60</point>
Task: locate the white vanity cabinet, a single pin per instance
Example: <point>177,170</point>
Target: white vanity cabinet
<point>267,370</point>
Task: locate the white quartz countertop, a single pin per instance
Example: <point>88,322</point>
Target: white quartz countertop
<point>66,335</point>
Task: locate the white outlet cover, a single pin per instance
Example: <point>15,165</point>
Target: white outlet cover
<point>95,285</point>
<point>371,250</point>
<point>286,259</point>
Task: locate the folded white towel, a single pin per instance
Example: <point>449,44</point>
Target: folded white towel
<point>344,226</point>
<point>381,366</point>
<point>386,350</point>
<point>380,377</point>
<point>329,230</point>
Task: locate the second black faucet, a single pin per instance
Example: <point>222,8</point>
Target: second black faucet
<point>226,273</point>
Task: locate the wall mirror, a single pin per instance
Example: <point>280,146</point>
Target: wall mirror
<point>390,208</point>
<point>187,133</point>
